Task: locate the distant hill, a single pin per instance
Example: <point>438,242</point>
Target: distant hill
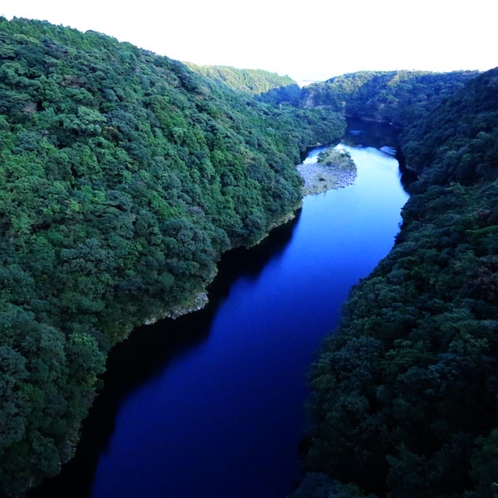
<point>254,81</point>
<point>396,97</point>
<point>263,85</point>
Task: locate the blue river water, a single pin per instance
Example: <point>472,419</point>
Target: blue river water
<point>211,405</point>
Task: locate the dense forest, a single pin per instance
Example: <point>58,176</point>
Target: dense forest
<point>253,81</point>
<point>125,175</point>
<point>395,97</point>
<point>123,178</point>
<point>405,393</point>
<point>264,86</point>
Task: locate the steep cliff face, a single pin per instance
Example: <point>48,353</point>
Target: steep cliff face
<point>405,392</point>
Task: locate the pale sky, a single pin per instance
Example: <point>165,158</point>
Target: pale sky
<point>307,39</point>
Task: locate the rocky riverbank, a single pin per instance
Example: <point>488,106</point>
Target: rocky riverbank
<point>334,169</point>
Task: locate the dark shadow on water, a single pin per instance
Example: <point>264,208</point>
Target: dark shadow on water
<point>147,353</point>
<point>375,135</point>
<point>248,263</point>
<point>380,135</point>
<point>133,362</point>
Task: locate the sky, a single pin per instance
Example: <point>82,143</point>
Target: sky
<point>305,39</point>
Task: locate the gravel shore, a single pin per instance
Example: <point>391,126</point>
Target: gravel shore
<point>319,178</point>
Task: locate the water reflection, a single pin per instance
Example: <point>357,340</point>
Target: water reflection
<point>377,136</point>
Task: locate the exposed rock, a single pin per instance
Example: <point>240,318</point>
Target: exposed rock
<point>334,169</point>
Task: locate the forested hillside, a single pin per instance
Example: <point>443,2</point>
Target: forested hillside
<point>405,394</point>
<point>254,81</point>
<point>266,87</point>
<point>123,177</point>
<point>396,97</point>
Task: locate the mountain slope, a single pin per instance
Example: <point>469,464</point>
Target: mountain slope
<point>396,97</point>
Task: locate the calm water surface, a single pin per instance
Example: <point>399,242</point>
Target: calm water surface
<point>212,405</point>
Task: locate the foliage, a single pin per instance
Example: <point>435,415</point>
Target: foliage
<point>263,85</point>
<point>395,97</point>
<point>253,81</point>
<point>123,177</point>
<point>338,158</point>
<point>405,393</point>
<point>458,139</point>
<point>317,485</point>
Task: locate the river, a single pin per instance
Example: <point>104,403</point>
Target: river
<point>212,404</point>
